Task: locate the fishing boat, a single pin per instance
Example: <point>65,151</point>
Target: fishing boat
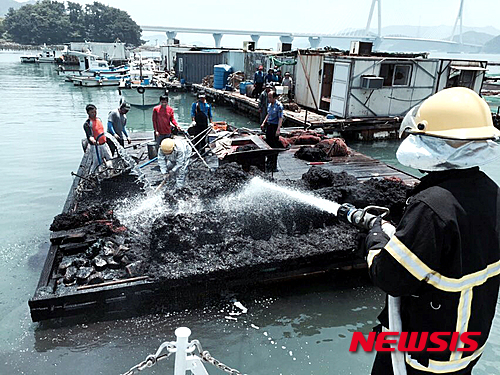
<point>75,62</point>
<point>47,56</point>
<point>30,59</point>
<point>112,73</point>
<point>142,88</point>
<point>98,80</point>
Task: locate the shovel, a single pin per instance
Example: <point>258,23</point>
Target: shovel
<point>162,184</point>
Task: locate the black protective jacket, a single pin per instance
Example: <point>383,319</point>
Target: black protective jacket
<point>444,262</point>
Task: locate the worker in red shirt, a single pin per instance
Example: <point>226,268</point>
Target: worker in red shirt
<point>163,119</point>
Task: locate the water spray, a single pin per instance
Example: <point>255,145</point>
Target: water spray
<point>346,212</point>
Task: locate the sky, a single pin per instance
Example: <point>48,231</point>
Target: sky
<point>319,16</point>
<point>311,16</point>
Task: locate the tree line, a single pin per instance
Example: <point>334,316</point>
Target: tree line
<point>53,22</point>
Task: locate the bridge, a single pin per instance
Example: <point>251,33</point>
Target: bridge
<point>315,38</point>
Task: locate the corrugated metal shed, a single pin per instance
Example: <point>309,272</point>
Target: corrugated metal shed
<point>194,66</point>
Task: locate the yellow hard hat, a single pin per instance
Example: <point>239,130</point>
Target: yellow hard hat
<point>167,146</point>
<point>454,113</point>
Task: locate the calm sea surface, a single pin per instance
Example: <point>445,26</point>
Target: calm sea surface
<point>304,330</point>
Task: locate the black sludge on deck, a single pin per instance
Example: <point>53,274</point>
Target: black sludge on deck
<point>223,230</point>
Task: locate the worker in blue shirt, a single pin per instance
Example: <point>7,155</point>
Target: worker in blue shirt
<point>201,114</point>
<point>273,120</point>
<point>270,77</point>
<point>258,80</point>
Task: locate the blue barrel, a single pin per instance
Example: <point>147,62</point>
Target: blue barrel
<point>221,74</point>
<point>243,87</point>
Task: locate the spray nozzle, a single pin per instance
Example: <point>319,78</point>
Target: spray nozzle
<point>363,218</point>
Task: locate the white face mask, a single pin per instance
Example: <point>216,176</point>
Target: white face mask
<point>437,154</point>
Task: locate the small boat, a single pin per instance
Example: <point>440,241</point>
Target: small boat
<point>29,59</point>
<point>142,89</point>
<point>119,73</point>
<point>47,55</point>
<point>97,80</point>
<point>85,64</point>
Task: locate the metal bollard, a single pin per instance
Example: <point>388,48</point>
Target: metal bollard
<point>182,334</point>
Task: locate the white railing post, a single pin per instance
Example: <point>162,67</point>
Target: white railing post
<point>182,334</point>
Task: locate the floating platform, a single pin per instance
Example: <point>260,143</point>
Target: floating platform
<point>132,292</point>
<point>368,128</point>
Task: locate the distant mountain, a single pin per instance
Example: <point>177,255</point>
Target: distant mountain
<point>492,46</point>
<point>473,37</point>
<point>6,4</point>
<point>434,32</point>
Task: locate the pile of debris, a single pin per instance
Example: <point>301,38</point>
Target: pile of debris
<point>235,79</point>
<point>317,147</point>
<point>208,81</point>
<point>92,248</point>
<point>241,229</point>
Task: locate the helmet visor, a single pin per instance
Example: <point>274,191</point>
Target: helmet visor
<point>409,124</point>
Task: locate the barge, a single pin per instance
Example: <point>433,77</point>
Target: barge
<point>218,233</point>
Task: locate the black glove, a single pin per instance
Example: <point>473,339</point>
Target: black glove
<point>376,238</point>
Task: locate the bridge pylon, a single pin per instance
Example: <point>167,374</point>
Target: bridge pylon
<point>379,14</point>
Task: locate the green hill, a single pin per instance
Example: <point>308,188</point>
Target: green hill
<point>6,4</point>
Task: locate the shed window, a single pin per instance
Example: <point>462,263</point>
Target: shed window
<point>395,74</point>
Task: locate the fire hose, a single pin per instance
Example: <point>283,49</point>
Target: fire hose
<point>365,218</point>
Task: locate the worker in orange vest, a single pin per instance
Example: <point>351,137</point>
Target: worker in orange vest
<point>94,130</point>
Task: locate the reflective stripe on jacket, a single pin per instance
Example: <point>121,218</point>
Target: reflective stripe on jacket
<point>444,261</point>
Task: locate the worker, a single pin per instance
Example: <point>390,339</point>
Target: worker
<point>163,119</point>
<point>201,115</point>
<point>117,122</point>
<point>173,158</point>
<point>272,124</point>
<point>94,130</point>
<point>440,267</point>
<point>258,81</point>
<point>288,82</point>
<point>278,77</point>
<point>271,77</point>
<point>263,102</point>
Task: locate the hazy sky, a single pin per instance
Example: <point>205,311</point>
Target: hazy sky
<point>318,16</point>
<point>314,16</point>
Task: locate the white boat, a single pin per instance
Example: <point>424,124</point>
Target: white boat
<point>141,89</point>
<point>120,72</point>
<point>97,80</point>
<point>141,95</point>
<point>46,56</point>
<point>85,64</point>
<point>29,59</point>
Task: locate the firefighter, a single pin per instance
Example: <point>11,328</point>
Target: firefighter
<point>441,265</point>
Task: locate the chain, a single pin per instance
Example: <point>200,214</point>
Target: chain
<point>152,359</point>
<point>205,355</point>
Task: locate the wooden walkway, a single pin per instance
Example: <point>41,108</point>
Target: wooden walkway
<point>359,128</point>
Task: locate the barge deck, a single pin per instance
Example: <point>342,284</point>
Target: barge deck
<point>140,291</point>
